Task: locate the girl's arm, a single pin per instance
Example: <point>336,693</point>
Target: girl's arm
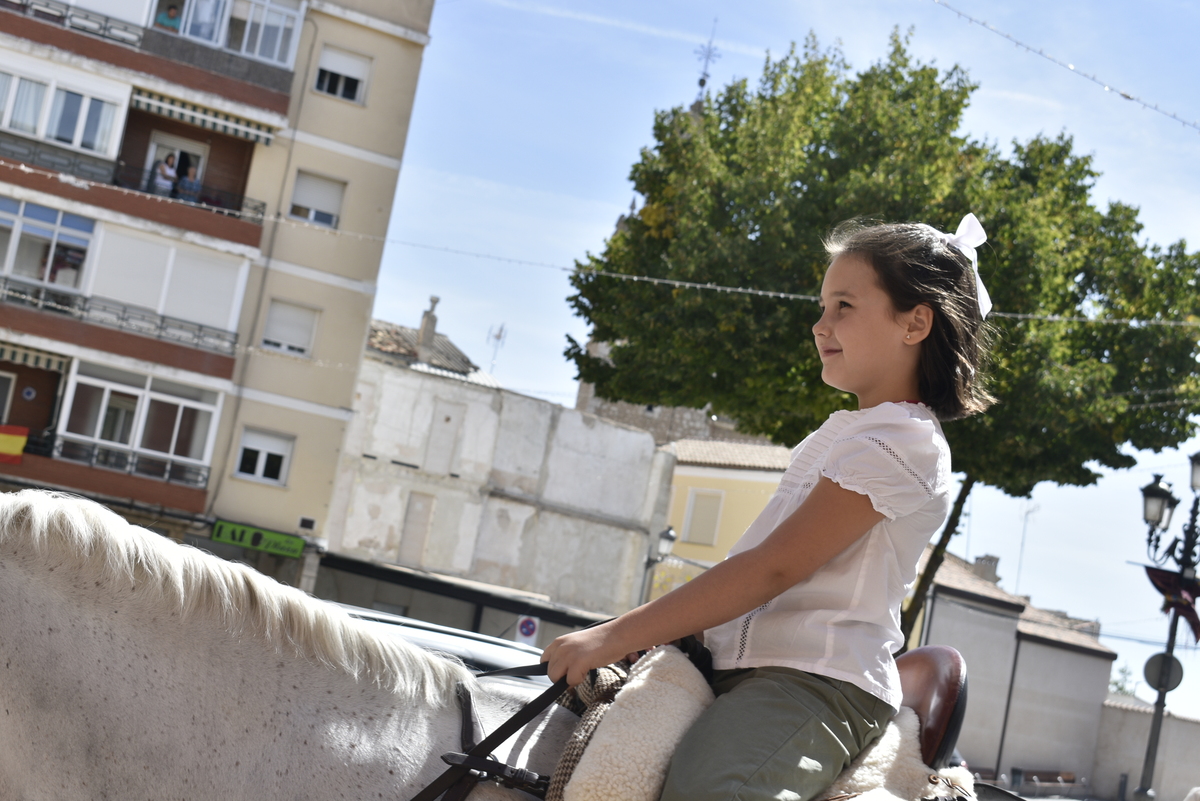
<point>829,521</point>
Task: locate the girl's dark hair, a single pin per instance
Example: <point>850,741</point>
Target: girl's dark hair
<point>916,266</point>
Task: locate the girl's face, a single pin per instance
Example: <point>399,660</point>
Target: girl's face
<point>866,347</point>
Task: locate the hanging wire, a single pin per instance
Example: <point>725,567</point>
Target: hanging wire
<point>280,219</point>
<point>1067,66</point>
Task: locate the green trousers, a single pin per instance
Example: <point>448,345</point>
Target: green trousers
<point>773,733</point>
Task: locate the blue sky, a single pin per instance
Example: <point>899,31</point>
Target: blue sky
<point>529,114</point>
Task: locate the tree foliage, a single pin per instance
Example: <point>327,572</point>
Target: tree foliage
<point>739,191</point>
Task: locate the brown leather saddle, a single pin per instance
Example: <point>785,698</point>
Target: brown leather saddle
<point>934,681</point>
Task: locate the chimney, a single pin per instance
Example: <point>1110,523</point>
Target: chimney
<point>985,567</point>
<point>428,329</point>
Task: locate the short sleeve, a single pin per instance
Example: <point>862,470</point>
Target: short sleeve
<point>897,459</point>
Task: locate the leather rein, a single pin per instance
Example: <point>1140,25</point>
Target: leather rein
<point>475,764</point>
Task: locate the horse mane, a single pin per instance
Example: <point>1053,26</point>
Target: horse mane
<point>72,530</point>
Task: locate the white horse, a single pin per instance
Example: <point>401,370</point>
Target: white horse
<point>134,668</point>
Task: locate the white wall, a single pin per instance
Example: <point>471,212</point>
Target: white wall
<point>1121,748</point>
<point>528,494</point>
<point>1056,704</point>
<point>986,638</point>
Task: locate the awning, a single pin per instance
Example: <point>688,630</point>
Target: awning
<point>204,117</point>
<point>31,357</point>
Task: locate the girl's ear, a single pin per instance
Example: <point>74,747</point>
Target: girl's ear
<point>919,324</point>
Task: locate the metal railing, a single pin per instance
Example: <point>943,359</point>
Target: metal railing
<point>40,153</point>
<point>207,197</point>
<point>112,314</point>
<point>71,17</point>
<point>123,460</point>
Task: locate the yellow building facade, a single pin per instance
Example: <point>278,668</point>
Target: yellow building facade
<point>717,490</point>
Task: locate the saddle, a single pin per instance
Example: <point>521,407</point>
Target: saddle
<point>934,684</point>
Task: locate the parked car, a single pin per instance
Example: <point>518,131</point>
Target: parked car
<point>478,652</point>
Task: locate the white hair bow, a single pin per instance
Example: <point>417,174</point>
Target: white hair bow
<point>969,236</point>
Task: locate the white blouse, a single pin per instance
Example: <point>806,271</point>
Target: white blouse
<point>843,621</point>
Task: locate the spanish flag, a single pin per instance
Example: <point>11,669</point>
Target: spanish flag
<point>12,443</point>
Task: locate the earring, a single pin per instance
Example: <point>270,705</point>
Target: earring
<point>908,336</point>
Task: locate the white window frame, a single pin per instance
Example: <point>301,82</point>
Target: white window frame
<point>221,29</point>
<point>360,99</point>
<point>42,129</point>
<point>144,395</point>
<point>260,464</point>
<point>310,214</point>
<point>18,221</point>
<point>6,400</point>
<point>693,493</point>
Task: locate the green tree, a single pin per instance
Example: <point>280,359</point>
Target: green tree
<point>1123,682</point>
<point>738,192</point>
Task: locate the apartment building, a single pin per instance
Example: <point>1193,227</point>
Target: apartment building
<point>193,200</point>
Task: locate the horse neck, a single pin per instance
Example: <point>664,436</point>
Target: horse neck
<point>107,686</point>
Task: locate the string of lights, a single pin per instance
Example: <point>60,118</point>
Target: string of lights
<point>280,219</point>
<point>1068,66</point>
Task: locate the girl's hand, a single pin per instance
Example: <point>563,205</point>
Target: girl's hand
<point>573,655</point>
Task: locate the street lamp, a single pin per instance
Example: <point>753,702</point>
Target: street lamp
<point>660,550</point>
<point>1158,503</point>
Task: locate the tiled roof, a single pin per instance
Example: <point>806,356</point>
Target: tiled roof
<point>1060,628</point>
<point>958,574</point>
<point>398,340</point>
<point>715,453</point>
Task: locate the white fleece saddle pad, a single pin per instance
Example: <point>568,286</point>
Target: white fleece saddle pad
<point>629,753</point>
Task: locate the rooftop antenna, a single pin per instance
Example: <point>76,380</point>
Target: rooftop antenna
<point>496,336</point>
<point>708,54</point>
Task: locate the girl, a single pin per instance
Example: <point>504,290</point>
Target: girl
<point>803,616</point>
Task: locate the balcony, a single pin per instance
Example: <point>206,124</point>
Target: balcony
<point>252,40</point>
<point>116,315</point>
<point>205,196</point>
<point>123,460</point>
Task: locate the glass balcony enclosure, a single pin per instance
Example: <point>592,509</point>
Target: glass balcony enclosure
<point>58,112</point>
<point>266,30</point>
<point>138,424</point>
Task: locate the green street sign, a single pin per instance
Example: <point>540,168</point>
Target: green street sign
<point>258,539</point>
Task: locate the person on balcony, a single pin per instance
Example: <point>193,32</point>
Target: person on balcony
<point>162,178</point>
<point>168,19</point>
<point>189,187</point>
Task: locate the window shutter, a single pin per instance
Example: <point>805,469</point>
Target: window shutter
<point>321,194</point>
<point>344,63</point>
<point>290,327</point>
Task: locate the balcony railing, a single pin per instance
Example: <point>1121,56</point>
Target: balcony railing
<point>123,460</point>
<point>51,156</point>
<point>71,17</point>
<point>117,315</point>
<point>207,197</point>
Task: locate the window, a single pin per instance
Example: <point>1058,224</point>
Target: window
<point>265,456</point>
<point>259,29</point>
<point>143,425</point>
<point>70,125</point>
<point>703,516</point>
<point>51,245</point>
<point>289,328</point>
<point>7,382</point>
<point>27,106</point>
<point>75,119</point>
<point>342,74</point>
<point>317,200</point>
<point>263,29</point>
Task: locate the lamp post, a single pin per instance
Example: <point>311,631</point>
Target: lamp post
<point>660,549</point>
<point>1158,505</point>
